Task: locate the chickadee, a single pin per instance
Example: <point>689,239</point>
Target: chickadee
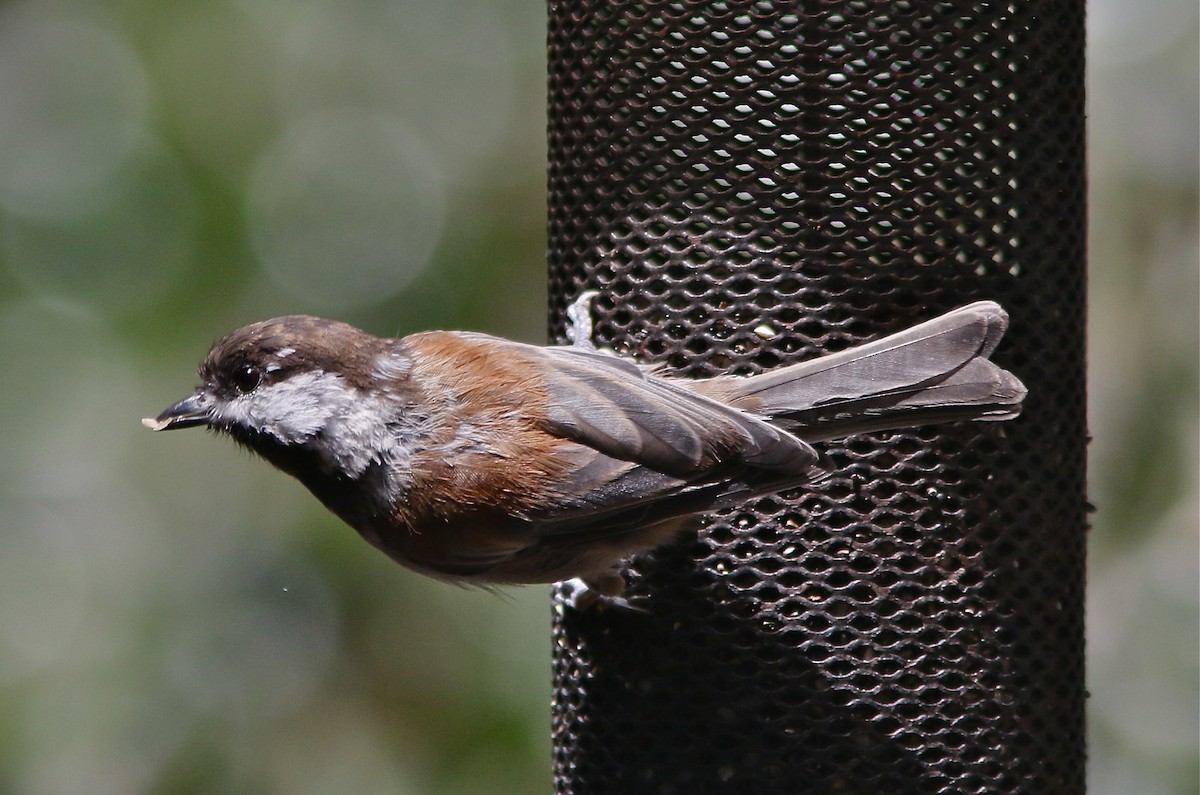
<point>475,459</point>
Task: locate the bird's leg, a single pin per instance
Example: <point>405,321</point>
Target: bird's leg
<point>579,320</point>
<point>596,593</point>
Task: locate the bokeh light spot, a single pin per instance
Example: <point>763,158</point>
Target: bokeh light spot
<point>345,208</point>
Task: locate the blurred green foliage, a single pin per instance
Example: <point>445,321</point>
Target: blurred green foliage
<point>176,618</point>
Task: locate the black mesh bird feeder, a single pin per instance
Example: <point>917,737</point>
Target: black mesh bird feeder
<point>753,183</point>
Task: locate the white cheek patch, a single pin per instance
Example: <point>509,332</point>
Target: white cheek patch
<point>354,426</point>
<point>362,435</point>
<point>292,410</point>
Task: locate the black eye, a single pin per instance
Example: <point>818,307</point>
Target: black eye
<point>245,378</point>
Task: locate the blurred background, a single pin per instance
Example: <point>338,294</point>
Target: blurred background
<point>176,617</point>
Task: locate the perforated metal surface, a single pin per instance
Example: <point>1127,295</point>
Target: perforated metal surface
<point>750,183</point>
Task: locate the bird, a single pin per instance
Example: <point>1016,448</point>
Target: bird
<point>479,460</point>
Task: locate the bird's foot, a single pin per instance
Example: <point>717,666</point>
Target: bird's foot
<point>579,320</point>
<point>599,593</point>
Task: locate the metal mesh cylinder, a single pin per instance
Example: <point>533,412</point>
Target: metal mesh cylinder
<point>749,184</point>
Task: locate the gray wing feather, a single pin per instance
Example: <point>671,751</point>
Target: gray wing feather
<point>631,424</point>
<point>627,414</point>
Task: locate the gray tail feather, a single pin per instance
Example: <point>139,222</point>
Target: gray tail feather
<point>934,372</point>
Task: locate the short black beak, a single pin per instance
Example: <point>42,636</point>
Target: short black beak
<point>191,411</point>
